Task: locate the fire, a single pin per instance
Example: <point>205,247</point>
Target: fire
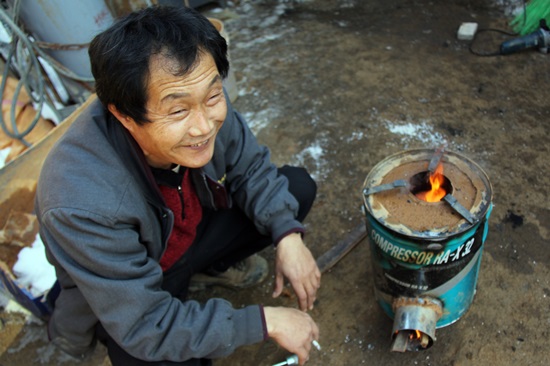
<point>415,335</point>
<point>437,192</point>
<point>410,340</point>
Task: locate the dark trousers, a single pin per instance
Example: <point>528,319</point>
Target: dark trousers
<point>224,238</point>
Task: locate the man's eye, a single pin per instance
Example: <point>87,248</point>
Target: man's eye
<point>215,98</point>
<point>179,111</point>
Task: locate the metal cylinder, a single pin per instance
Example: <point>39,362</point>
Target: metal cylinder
<point>425,253</point>
<point>67,22</point>
<point>414,322</point>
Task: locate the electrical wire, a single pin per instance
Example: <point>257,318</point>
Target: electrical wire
<point>22,56</point>
<point>488,54</point>
<point>497,53</point>
<point>24,71</point>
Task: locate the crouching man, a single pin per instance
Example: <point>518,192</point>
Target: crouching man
<point>159,187</point>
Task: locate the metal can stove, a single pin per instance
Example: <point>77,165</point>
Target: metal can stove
<point>425,255</point>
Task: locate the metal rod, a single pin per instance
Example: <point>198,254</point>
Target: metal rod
<point>451,200</point>
<point>385,187</point>
<point>436,158</point>
<point>290,360</point>
<point>293,359</point>
<point>332,256</point>
<point>400,342</point>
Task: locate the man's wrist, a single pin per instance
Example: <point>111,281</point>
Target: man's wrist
<point>299,231</point>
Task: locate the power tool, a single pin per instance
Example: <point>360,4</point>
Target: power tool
<point>539,38</point>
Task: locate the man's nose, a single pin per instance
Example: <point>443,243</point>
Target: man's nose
<point>201,123</point>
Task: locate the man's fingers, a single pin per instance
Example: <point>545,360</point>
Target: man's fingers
<point>292,329</point>
<point>311,288</point>
<point>279,282</point>
<point>318,277</point>
<point>311,297</point>
<point>301,294</point>
<point>306,291</point>
<point>303,355</point>
<point>306,296</point>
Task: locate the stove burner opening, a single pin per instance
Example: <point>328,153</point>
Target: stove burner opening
<point>430,187</point>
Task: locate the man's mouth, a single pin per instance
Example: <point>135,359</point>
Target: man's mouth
<point>200,143</point>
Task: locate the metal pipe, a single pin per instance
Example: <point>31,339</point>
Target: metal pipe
<point>415,322</point>
<point>290,360</point>
<point>293,359</point>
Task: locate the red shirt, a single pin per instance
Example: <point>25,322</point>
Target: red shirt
<point>181,198</point>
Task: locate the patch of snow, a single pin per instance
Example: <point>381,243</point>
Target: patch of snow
<point>257,121</point>
<point>355,136</point>
<point>3,156</point>
<point>313,158</point>
<point>9,305</point>
<point>510,7</point>
<point>348,4</point>
<point>258,41</point>
<point>32,269</point>
<point>422,132</point>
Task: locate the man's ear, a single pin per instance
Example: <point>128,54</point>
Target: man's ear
<point>126,121</point>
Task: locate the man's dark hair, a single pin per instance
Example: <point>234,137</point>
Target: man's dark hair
<point>120,55</point>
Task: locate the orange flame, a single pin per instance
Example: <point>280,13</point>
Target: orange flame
<point>437,192</point>
<point>415,335</point>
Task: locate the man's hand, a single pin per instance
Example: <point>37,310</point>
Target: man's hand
<point>292,329</point>
<point>295,262</point>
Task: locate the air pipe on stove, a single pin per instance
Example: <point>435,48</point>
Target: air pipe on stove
<point>414,322</point>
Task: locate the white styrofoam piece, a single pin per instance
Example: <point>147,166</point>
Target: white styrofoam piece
<point>467,31</point>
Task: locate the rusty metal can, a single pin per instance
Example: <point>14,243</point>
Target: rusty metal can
<point>421,249</point>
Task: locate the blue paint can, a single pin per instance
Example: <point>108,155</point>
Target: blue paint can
<point>425,255</point>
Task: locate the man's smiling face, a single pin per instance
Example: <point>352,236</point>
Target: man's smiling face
<point>186,113</point>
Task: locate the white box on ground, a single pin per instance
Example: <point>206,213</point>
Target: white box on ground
<point>467,31</point>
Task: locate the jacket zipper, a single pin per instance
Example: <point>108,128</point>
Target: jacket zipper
<point>180,194</point>
<point>209,192</point>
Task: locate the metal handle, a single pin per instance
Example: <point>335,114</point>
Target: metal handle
<point>290,360</point>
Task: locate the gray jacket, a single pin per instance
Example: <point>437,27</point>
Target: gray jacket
<point>105,227</point>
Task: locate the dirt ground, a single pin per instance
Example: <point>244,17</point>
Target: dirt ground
<point>338,85</point>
